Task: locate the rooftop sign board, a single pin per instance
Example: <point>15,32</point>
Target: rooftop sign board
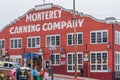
<point>45,20</point>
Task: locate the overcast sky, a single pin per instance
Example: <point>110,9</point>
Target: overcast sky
<point>12,9</point>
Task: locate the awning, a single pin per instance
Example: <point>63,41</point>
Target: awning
<point>30,55</point>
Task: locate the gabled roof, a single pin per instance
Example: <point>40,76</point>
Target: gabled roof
<point>50,5</point>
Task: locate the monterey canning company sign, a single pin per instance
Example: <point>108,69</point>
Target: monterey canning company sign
<point>49,25</point>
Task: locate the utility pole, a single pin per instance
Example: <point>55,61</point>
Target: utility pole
<point>74,21</point>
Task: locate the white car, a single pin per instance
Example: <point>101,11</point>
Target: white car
<point>23,68</point>
<point>10,65</point>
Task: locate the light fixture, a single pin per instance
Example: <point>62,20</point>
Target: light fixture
<point>41,51</point>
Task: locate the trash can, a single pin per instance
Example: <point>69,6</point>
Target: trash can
<point>22,77</point>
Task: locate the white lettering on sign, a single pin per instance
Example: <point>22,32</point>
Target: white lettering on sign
<point>25,29</point>
<point>62,25</point>
<point>44,15</point>
<point>46,26</point>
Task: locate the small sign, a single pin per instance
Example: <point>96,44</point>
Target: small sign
<point>52,47</point>
<point>63,62</point>
<point>63,55</point>
<point>86,59</point>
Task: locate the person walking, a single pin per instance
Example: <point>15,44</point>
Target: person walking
<point>12,74</point>
<point>46,74</point>
<point>26,74</point>
<point>41,73</point>
<point>18,73</point>
<point>35,73</point>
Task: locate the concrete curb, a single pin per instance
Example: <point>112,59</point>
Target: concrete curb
<point>68,77</point>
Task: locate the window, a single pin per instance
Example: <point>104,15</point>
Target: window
<point>99,36</point>
<point>56,59</point>
<point>99,61</point>
<point>53,40</point>
<point>2,43</point>
<point>16,43</point>
<point>33,42</point>
<point>117,61</point>
<point>71,62</point>
<point>117,37</point>
<point>70,38</point>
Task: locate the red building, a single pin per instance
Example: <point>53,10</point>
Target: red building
<point>97,41</point>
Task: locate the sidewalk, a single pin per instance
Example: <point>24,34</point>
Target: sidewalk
<point>67,77</point>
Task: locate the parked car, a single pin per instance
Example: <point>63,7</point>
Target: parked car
<point>10,65</point>
<point>1,64</point>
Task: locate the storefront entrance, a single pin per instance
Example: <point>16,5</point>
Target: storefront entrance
<point>33,60</point>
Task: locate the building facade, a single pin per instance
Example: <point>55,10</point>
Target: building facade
<point>97,42</point>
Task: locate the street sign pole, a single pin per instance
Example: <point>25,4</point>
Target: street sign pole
<point>52,47</point>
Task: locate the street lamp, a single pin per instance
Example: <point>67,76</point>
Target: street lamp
<point>52,47</point>
<point>74,21</point>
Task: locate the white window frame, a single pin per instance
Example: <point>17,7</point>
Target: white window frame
<point>98,63</point>
<point>117,37</point>
<point>101,31</point>
<point>117,61</point>
<point>73,63</point>
<point>76,38</point>
<point>55,54</point>
<point>1,44</point>
<point>36,46</point>
<point>14,43</point>
<point>48,44</point>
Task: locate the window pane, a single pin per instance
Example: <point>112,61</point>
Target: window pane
<point>29,42</point>
<point>98,67</point>
<point>79,58</point>
<point>33,42</point>
<point>104,57</point>
<point>70,67</point>
<point>48,41</point>
<point>93,38</point>
<point>104,67</point>
<point>93,67</point>
<point>104,36</point>
<point>11,43</point>
<point>99,37</point>
<point>69,39</point>
<point>53,40</point>
<point>57,59</point>
<point>93,58</point>
<point>57,40</point>
<point>79,38</point>
<point>79,67</point>
<point>2,43</point>
<point>19,43</point>
<point>69,58</point>
<point>99,58</point>
<point>37,41</point>
<point>15,43</point>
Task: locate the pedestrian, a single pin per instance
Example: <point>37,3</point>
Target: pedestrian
<point>41,73</point>
<point>18,73</point>
<point>29,64</point>
<point>35,73</point>
<point>46,75</point>
<point>26,74</point>
<point>81,72</point>
<point>12,74</point>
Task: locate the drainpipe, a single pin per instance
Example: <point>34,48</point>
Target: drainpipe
<point>111,21</point>
<point>113,52</point>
